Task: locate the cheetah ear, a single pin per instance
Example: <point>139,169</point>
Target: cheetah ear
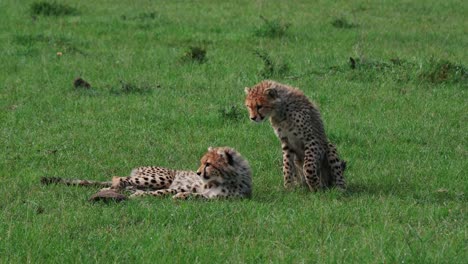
<point>229,158</point>
<point>226,155</point>
<point>210,148</point>
<point>271,93</point>
<point>247,90</point>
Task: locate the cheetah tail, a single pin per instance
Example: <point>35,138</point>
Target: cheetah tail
<point>74,182</point>
<point>343,165</point>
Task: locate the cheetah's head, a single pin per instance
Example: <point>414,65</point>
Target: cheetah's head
<point>215,164</point>
<point>260,100</point>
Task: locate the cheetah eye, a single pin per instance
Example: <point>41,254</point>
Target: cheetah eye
<point>259,106</point>
<point>207,164</point>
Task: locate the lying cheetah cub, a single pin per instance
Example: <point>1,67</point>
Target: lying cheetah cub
<point>223,173</point>
<point>298,125</point>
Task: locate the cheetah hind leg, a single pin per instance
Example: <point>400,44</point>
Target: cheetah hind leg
<point>337,168</point>
<point>313,164</point>
<point>158,178</point>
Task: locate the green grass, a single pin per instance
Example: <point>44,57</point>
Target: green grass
<point>399,117</point>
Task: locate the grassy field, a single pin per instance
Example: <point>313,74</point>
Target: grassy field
<point>167,81</point>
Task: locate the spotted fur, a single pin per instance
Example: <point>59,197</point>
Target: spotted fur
<point>297,123</point>
<point>223,173</point>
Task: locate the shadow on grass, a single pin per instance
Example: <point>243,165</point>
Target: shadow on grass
<point>146,20</point>
<point>342,22</point>
<point>434,71</point>
<point>233,113</point>
<point>126,87</point>
<point>141,16</point>
<point>271,68</point>
<point>444,71</point>
<point>60,43</point>
<point>440,196</point>
<point>274,28</point>
<point>195,54</point>
<point>44,8</point>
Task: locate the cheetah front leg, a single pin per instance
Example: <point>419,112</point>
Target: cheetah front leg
<point>312,159</point>
<point>186,195</point>
<point>288,164</point>
<point>153,193</point>
<point>300,180</point>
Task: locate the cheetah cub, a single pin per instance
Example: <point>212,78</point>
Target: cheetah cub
<point>223,173</point>
<point>298,125</point>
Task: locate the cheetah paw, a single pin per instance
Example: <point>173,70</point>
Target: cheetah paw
<point>136,194</point>
<point>181,196</point>
<point>107,195</point>
<point>341,189</point>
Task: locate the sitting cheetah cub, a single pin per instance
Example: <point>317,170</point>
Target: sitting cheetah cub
<point>298,125</point>
<point>223,173</point>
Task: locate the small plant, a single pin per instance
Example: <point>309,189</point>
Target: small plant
<point>195,54</point>
<point>366,69</point>
<point>60,43</point>
<point>68,45</point>
<point>44,8</point>
<point>233,112</point>
<point>359,63</point>
<point>343,23</point>
<point>436,71</point>
<point>80,83</point>
<point>142,16</point>
<point>270,67</point>
<point>28,40</point>
<point>444,71</point>
<point>132,88</point>
<point>145,20</point>
<point>272,28</point>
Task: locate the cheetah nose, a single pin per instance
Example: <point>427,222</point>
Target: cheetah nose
<point>253,118</point>
<point>198,173</point>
